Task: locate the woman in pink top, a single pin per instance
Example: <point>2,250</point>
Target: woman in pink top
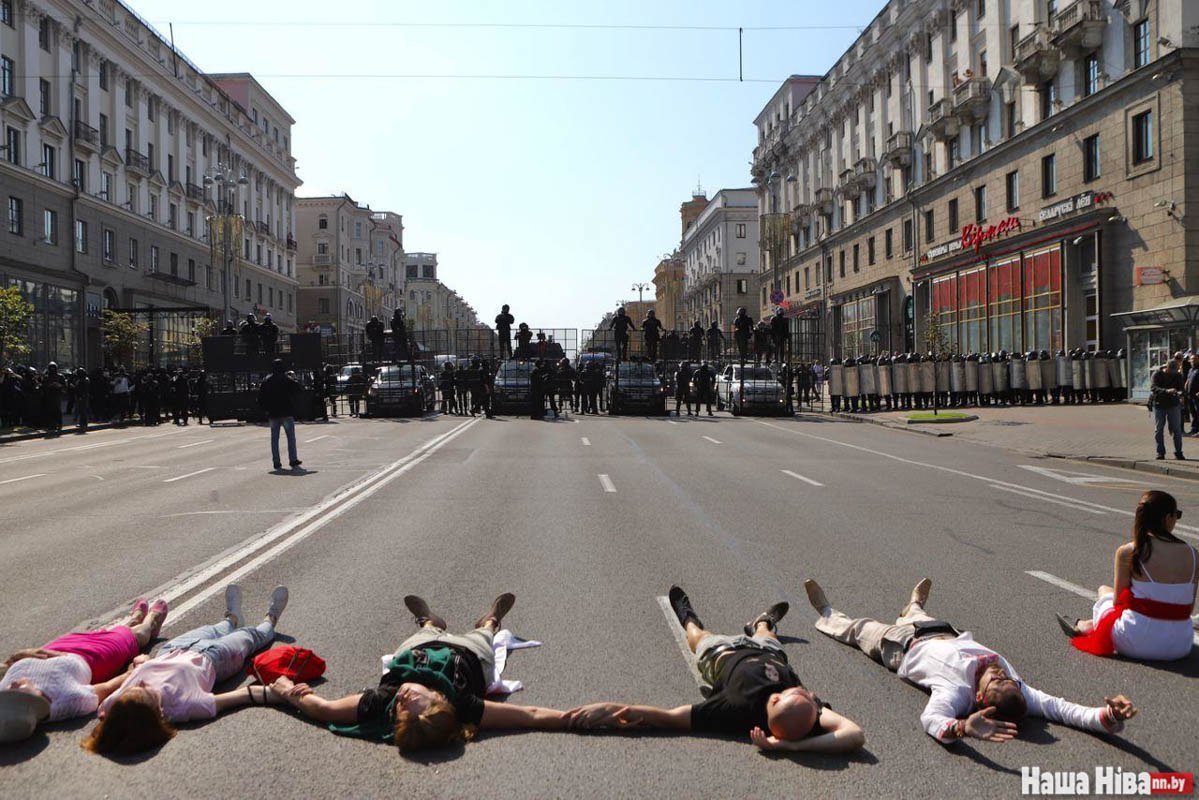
<point>1147,613</point>
<point>76,672</point>
<point>177,684</point>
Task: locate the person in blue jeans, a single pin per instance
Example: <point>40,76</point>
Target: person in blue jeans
<point>277,398</point>
<point>1166,391</point>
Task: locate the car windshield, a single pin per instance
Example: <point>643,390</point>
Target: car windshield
<point>753,374</point>
<point>349,370</point>
<point>638,370</point>
<point>514,370</point>
<point>399,373</point>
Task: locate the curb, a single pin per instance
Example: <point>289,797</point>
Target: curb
<point>66,431</point>
<point>885,424</point>
<point>941,421</point>
<point>1156,467</point>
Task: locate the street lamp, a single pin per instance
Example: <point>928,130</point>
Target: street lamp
<point>227,181</point>
<point>640,288</point>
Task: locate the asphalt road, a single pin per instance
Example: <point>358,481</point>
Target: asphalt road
<point>588,521</point>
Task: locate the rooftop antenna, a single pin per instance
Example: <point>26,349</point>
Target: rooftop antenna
<point>699,187</point>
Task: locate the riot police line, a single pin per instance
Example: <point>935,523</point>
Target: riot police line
<point>903,381</point>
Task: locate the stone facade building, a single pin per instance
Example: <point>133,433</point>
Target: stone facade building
<point>668,291</point>
<point>111,144</point>
<point>720,258</point>
<point>1017,168</point>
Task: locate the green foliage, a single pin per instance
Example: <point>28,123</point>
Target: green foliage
<point>936,336</point>
<point>121,335</point>
<point>15,312</point>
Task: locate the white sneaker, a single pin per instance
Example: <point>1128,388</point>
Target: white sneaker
<point>233,604</point>
<point>278,603</point>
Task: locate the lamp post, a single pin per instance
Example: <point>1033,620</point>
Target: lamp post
<point>640,289</point>
<point>226,180</point>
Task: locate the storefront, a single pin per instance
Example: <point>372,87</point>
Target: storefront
<point>862,320</point>
<point>54,327</point>
<point>1153,336</point>
<point>807,326</point>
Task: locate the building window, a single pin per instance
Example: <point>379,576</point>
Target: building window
<point>152,212</point>
<point>1004,305</point>
<point>1049,175</point>
<point>110,245</point>
<point>1013,190</point>
<point>322,223</point>
<point>807,278</point>
<point>150,109</point>
<point>191,223</point>
<point>129,93</point>
<point>1142,137</point>
<point>1140,43</point>
<point>16,216</point>
<point>855,258</point>
<point>103,75</point>
<point>50,227</point>
<point>322,249</point>
<point>888,243</point>
<point>43,93</point>
<point>132,253</point>
<point>173,216</point>
<point>80,236</point>
<point>154,262</point>
<point>954,151</point>
<point>1048,99</point>
<point>322,305</point>
<point>7,76</point>
<point>740,230</point>
<point>103,131</point>
<point>49,158</point>
<point>191,270</point>
<point>953,216</point>
<point>929,232</point>
<point>174,262</point>
<point>1043,300</point>
<point>972,310</point>
<point>43,34</point>
<point>1090,158</point>
<point>870,250</point>
<point>980,204</point>
<point>6,12</point>
<point>12,145</point>
<point>1090,75</point>
<point>982,8</point>
<point>106,186</point>
<point>79,176</point>
<point>907,236</point>
<point>842,264</point>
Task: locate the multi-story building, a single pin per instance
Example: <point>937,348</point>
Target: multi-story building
<point>668,291</point>
<point>349,263</point>
<point>134,180</point>
<point>1015,167</point>
<point>720,258</point>
<point>430,305</point>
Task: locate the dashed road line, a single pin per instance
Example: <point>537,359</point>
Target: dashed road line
<point>586,441</point>
<point>797,476</point>
<point>671,422</point>
<point>680,638</point>
<point>1070,505</point>
<point>194,444</point>
<point>189,475</point>
<point>24,478</point>
<point>713,441</point>
<point>606,482</point>
<point>316,439</point>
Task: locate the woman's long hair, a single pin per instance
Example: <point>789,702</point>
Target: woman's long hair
<point>437,727</point>
<point>1149,523</point>
<point>132,725</point>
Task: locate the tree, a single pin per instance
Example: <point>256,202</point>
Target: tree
<point>936,336</point>
<point>121,335</point>
<point>15,312</point>
<point>204,327</point>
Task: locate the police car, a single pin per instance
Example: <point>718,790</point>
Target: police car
<point>636,386</point>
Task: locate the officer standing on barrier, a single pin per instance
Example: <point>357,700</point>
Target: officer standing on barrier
<point>651,330</point>
<point>743,329</point>
<point>779,329</point>
<point>249,335</point>
<point>682,381</point>
<point>503,331</point>
<point>375,334</point>
<point>268,335</point>
<point>524,341</point>
<point>399,337</point>
<point>715,341</point>
<point>695,341</point>
<point>622,323</point>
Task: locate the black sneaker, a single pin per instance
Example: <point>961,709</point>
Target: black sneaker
<point>770,616</point>
<point>1180,457</point>
<point>681,604</point>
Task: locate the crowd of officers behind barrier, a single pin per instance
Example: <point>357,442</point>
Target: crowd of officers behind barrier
<point>912,381</point>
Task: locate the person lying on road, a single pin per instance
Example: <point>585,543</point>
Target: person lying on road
<point>755,693</point>
<point>176,684</point>
<point>975,691</point>
<point>433,692</point>
<point>75,673</point>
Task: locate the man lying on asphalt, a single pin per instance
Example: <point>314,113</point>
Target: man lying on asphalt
<point>754,692</point>
<point>975,691</point>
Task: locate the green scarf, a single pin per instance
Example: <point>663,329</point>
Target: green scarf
<point>402,668</point>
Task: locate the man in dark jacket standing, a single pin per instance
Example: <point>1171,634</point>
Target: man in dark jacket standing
<point>1166,391</point>
<point>276,398</point>
<point>375,334</point>
<point>743,329</point>
<point>779,330</point>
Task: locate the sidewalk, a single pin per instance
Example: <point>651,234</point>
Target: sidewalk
<point>68,429</point>
<point>1117,434</point>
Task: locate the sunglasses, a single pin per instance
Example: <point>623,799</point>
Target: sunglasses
<point>1177,513</point>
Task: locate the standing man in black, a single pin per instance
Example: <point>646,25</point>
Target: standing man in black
<point>276,397</point>
<point>682,387</point>
<point>622,323</point>
<point>695,341</point>
<point>268,335</point>
<point>1191,388</point>
<point>399,337</point>
<point>651,329</point>
<point>715,341</point>
<point>705,386</point>
<point>743,329</point>
<point>779,330</point>
<point>180,395</point>
<point>249,335</point>
<point>503,330</point>
<point>537,390</point>
<point>375,334</point>
<point>83,399</point>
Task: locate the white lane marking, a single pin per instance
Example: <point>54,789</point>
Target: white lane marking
<point>710,439</point>
<point>194,444</point>
<point>680,638</point>
<point>1074,506</point>
<point>586,442</point>
<point>672,422</point>
<point>189,475</point>
<point>797,476</point>
<point>148,466</point>
<point>11,459</point>
<point>606,482</point>
<point>316,439</point>
<point>299,528</point>
<point>1075,478</point>
<point>25,478</point>
<point>1180,530</point>
<point>1061,583</point>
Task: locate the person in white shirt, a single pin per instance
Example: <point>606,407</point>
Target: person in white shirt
<point>975,691</point>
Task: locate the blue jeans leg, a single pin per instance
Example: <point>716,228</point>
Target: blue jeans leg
<point>289,427</point>
<point>229,653</point>
<point>275,423</point>
<point>1174,418</point>
<point>185,641</point>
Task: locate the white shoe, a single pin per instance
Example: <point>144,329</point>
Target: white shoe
<point>233,604</point>
<point>278,603</point>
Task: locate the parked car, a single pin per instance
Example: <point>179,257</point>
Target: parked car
<point>750,390</point>
<point>343,377</point>
<point>636,386</point>
<point>401,389</point>
<point>512,387</point>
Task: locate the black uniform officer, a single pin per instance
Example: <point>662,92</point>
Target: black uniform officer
<point>743,329</point>
<point>375,334</point>
<point>682,381</point>
<point>651,330</point>
<point>622,323</point>
<point>503,330</point>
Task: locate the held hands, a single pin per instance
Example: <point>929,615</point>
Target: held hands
<point>290,691</point>
<point>1120,707</point>
<point>982,725</point>
<point>601,716</point>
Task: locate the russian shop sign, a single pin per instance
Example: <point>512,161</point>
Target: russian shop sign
<point>1071,205</point>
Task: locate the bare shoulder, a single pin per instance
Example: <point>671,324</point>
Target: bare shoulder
<point>1126,550</point>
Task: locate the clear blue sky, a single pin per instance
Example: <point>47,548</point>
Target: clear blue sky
<point>552,195</point>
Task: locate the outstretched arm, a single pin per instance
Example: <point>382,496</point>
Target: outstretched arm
<point>620,716</point>
<point>498,716</point>
<point>1107,718</point>
<point>841,735</point>
<point>342,711</point>
<point>252,695</point>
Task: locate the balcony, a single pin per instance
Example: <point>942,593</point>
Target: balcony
<point>899,149</point>
<point>825,200</point>
<point>262,228</point>
<point>87,136</point>
<point>291,244</point>
<point>1078,28</point>
<point>167,277</point>
<point>322,260</point>
<point>849,183</point>
<point>865,171</point>
<point>1037,58</point>
<point>972,99</point>
<point>803,213</point>
<point>137,163</point>
<point>195,193</point>
<point>941,122</point>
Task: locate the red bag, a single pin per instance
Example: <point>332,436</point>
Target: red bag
<point>297,663</point>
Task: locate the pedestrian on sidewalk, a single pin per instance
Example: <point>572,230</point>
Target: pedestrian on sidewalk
<point>1191,390</point>
<point>277,397</point>
<point>1166,394</point>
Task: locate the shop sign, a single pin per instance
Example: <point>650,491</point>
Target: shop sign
<point>1079,202</point>
<point>812,312</point>
<point>942,250</point>
<point>976,236</point>
<point>814,292</point>
<point>1150,276</point>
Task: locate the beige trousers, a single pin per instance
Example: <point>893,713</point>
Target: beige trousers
<point>884,643</point>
